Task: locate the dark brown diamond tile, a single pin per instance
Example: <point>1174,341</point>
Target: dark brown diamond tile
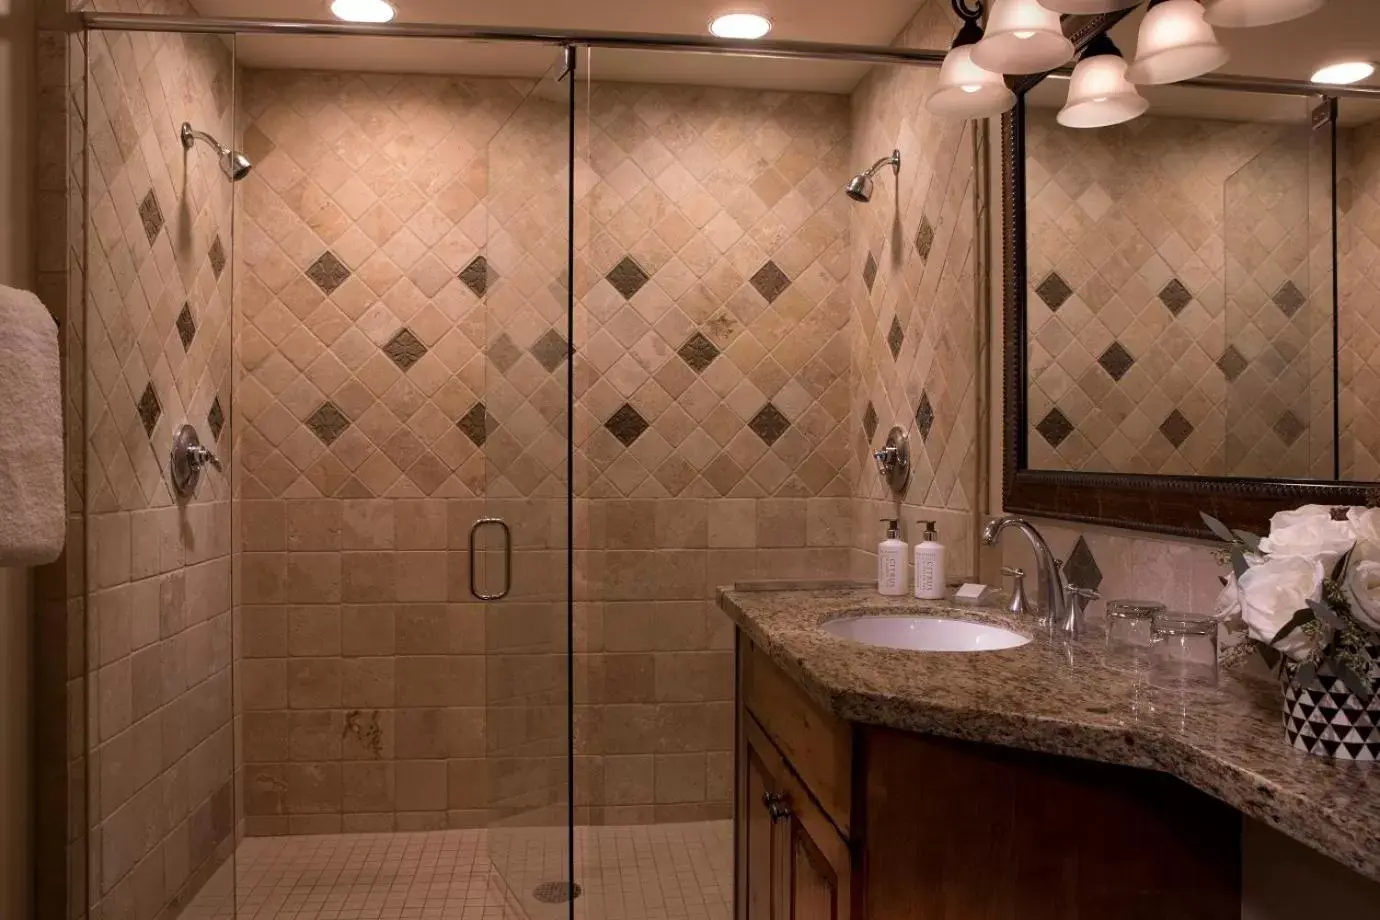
<point>770,281</point>
<point>1289,299</point>
<point>870,272</point>
<point>769,424</point>
<point>328,272</point>
<point>1232,363</point>
<point>1054,290</point>
<point>1289,427</point>
<point>895,337</point>
<point>151,216</point>
<point>150,409</point>
<point>217,255</point>
<point>503,353</point>
<point>215,418</point>
<point>1116,361</point>
<point>698,352</point>
<point>924,239</point>
<point>478,276</point>
<point>1055,427</point>
<point>1081,569</point>
<point>869,421</point>
<point>404,349</point>
<point>626,424</point>
<point>1176,428</point>
<point>186,326</point>
<point>328,422</point>
<point>550,350</point>
<point>924,416</point>
<point>477,424</point>
<point>627,277</point>
<point>1175,296</point>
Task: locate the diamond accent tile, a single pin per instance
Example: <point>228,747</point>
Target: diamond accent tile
<point>550,350</point>
<point>1289,299</point>
<point>217,255</point>
<point>186,326</point>
<point>1116,360</point>
<point>924,239</point>
<point>1055,427</point>
<point>627,424</point>
<point>769,424</point>
<point>895,337</point>
<point>151,216</point>
<point>328,422</point>
<point>1175,296</point>
<point>476,424</point>
<point>698,352</point>
<point>503,353</point>
<point>869,421</point>
<point>1054,290</point>
<point>478,276</point>
<point>150,409</point>
<point>870,272</point>
<point>770,281</point>
<point>924,416</point>
<point>328,272</point>
<point>1082,569</point>
<point>1232,363</point>
<point>627,278</point>
<point>404,349</point>
<point>1176,428</point>
<point>215,418</point>
<point>1289,427</point>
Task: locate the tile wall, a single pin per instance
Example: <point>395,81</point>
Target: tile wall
<point>914,317</point>
<point>1359,241</point>
<point>157,354</point>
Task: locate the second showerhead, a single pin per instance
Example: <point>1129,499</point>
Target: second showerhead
<point>859,188</point>
<point>234,164</point>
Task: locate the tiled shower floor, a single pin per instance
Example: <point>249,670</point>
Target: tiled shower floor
<point>638,872</point>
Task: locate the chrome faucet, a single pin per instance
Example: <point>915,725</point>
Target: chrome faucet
<point>1050,591</point>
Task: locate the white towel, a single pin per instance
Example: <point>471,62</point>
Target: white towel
<point>32,503</point>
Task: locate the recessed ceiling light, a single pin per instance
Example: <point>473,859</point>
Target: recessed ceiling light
<point>1344,72</point>
<point>740,25</point>
<point>363,10</point>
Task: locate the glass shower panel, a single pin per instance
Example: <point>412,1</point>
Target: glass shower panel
<point>1358,178</point>
<point>1277,359</point>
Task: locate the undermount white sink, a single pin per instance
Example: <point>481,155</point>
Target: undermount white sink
<point>924,634</point>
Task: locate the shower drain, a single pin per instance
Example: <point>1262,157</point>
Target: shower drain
<point>556,892</point>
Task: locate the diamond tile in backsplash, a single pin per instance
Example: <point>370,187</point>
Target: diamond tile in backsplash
<point>1116,361</point>
<point>1231,363</point>
<point>1054,427</point>
<point>328,422</point>
<point>186,326</point>
<point>1175,296</point>
<point>1289,427</point>
<point>550,349</point>
<point>626,424</point>
<point>869,272</point>
<point>328,272</point>
<point>769,424</point>
<point>151,215</point>
<point>476,424</point>
<point>924,416</point>
<point>895,337</point>
<point>627,277</point>
<point>1289,299</point>
<point>215,418</point>
<point>404,349</point>
<point>869,421</point>
<point>150,409</point>
<point>216,254</point>
<point>1081,568</point>
<point>503,352</point>
<point>770,281</point>
<point>1054,290</point>
<point>698,352</point>
<point>924,239</point>
<point>478,275</point>
<point>1176,428</point>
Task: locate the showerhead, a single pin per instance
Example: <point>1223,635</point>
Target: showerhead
<point>859,188</point>
<point>234,164</point>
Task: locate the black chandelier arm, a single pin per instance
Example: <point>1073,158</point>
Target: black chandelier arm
<point>961,7</point>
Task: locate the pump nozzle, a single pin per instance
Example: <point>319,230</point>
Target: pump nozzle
<point>930,529</point>
<point>893,527</point>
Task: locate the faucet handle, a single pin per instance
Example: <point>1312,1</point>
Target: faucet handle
<point>1012,572</point>
<point>1019,604</point>
<point>1076,600</point>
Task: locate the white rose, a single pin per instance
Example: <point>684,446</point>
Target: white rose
<point>1313,538</point>
<point>1300,515</point>
<point>1272,592</point>
<point>1365,525</point>
<point>1363,591</point>
<point>1229,602</point>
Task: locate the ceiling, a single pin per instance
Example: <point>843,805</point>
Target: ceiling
<point>861,22</point>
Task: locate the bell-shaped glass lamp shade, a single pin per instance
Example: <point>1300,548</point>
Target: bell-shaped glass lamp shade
<point>1174,44</point>
<point>1240,14</point>
<point>965,90</point>
<point>1100,95</point>
<point>1085,7</point>
<point>1022,37</point>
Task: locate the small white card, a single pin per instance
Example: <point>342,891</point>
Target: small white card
<point>970,592</point>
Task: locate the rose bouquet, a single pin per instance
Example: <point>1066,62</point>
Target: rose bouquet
<point>1307,597</point>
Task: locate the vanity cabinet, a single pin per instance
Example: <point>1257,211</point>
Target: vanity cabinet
<point>838,820</point>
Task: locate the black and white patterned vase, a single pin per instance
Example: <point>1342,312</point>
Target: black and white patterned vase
<point>1323,717</point>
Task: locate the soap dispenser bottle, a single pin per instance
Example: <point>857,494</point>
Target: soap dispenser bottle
<point>929,565</point>
<point>891,561</point>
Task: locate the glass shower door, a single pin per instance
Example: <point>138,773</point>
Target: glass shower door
<point>521,543</point>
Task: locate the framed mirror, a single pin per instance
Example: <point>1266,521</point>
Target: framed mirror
<point>1188,302</point>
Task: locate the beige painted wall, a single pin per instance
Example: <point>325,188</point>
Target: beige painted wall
<point>16,267</point>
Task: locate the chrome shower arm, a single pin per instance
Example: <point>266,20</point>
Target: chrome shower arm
<point>191,135</point>
<point>894,160</point>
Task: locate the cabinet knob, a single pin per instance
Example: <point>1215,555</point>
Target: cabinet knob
<point>777,807</point>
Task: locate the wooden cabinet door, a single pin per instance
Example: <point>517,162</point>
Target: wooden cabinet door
<point>764,843</point>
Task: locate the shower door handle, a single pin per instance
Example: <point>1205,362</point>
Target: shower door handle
<point>507,559</point>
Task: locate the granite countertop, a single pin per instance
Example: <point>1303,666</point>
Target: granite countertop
<point>1057,697</point>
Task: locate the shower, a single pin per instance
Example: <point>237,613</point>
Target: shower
<point>859,188</point>
<point>233,163</point>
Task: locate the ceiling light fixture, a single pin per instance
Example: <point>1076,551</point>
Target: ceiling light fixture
<point>1084,7</point>
<point>363,10</point>
<point>1343,73</point>
<point>740,25</point>
<point>1237,14</point>
<point>1022,37</point>
<point>965,90</point>
<point>1099,93</point>
<point>1174,44</point>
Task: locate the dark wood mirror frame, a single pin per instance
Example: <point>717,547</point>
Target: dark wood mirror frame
<point>1162,504</point>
